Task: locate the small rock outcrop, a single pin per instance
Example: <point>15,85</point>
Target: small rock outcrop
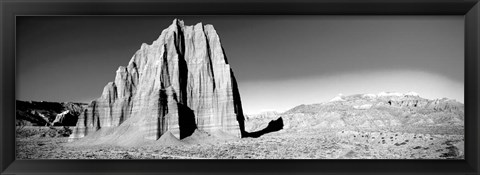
<point>66,118</point>
<point>179,83</point>
<point>273,126</point>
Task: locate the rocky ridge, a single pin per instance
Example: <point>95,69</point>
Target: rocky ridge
<point>376,111</point>
<point>180,83</point>
<point>66,118</point>
<point>42,113</point>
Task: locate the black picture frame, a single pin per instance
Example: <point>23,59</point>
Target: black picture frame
<point>9,9</point>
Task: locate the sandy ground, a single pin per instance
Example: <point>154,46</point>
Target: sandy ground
<point>312,144</point>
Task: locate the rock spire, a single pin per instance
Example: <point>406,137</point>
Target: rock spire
<point>179,83</point>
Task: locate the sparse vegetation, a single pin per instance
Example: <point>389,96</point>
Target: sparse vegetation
<point>310,144</point>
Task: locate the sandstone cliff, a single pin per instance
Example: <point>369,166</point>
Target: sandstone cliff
<point>179,83</point>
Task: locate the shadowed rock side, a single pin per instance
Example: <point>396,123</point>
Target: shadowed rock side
<point>42,113</point>
<point>179,83</point>
<point>274,125</point>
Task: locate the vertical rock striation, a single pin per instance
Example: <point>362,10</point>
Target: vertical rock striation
<point>179,83</point>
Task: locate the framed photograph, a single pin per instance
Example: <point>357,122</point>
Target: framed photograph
<point>241,87</point>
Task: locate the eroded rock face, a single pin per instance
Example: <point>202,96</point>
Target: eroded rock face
<point>66,118</point>
<point>42,113</point>
<point>371,111</point>
<point>179,83</point>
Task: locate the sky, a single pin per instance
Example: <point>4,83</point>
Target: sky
<point>279,61</point>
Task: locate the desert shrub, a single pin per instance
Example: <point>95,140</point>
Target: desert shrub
<point>452,152</point>
<point>54,132</point>
<point>22,132</point>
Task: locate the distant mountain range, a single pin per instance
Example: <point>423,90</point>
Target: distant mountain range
<point>385,110</point>
<point>42,113</point>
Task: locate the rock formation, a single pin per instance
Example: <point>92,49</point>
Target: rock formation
<point>179,83</point>
<point>375,111</point>
<point>273,126</point>
<point>66,118</point>
<point>41,113</point>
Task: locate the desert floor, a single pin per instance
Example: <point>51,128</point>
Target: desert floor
<point>46,143</point>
